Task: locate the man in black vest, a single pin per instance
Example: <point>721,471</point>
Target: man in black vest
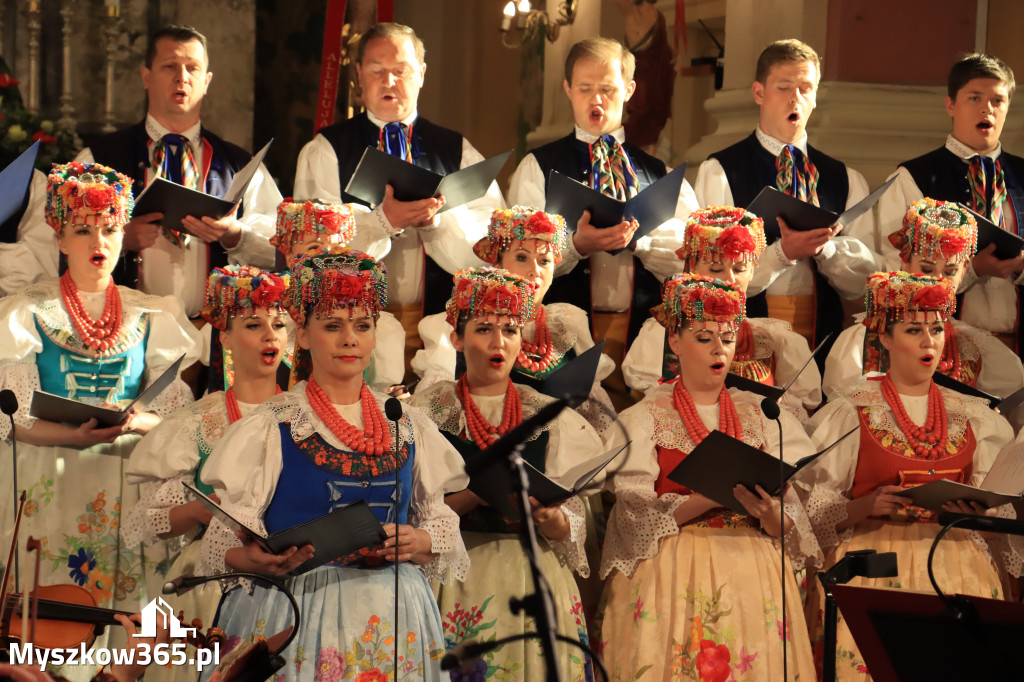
<point>28,250</point>
<point>172,143</point>
<point>973,169</point>
<point>618,290</point>
<point>801,276</point>
<point>421,247</point>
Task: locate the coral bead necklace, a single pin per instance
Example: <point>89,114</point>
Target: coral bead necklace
<point>99,335</point>
<point>728,418</point>
<point>373,439</point>
<point>482,433</point>
<point>928,441</point>
<point>539,354</point>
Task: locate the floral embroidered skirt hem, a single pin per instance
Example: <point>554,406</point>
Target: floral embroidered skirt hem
<point>960,566</point>
<point>478,609</point>
<point>708,607</point>
<point>348,624</point>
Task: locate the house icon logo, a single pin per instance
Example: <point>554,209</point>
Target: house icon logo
<point>158,608</point>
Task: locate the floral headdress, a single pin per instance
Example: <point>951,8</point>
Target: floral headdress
<point>239,289</point>
<point>901,296</point>
<point>89,194</point>
<point>321,282</point>
<point>298,220</point>
<point>936,229</point>
<point>479,292</point>
<point>699,300</point>
<point>522,223</point>
<point>723,231</point>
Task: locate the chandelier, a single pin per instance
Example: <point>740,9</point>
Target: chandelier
<point>528,22</point>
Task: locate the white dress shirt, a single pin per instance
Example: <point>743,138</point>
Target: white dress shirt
<point>844,261</point>
<point>990,303</point>
<point>35,255</point>
<point>611,281</point>
<point>169,270</point>
<point>449,241</point>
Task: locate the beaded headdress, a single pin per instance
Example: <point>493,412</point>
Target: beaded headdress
<point>89,194</point>
<point>299,220</point>
<point>479,292</point>
<point>937,229</point>
<point>699,300</point>
<point>522,223</point>
<point>901,296</point>
<point>723,231</point>
<point>240,289</point>
<point>321,282</point>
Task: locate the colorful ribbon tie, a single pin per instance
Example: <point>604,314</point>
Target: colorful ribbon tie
<point>174,160</point>
<point>611,172</point>
<point>396,140</point>
<point>988,187</point>
<point>796,174</point>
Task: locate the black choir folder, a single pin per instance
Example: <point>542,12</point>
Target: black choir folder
<point>1001,405</point>
<point>15,181</point>
<point>770,203</point>
<point>412,183</point>
<point>494,483</point>
<point>1003,484</point>
<point>1008,244</point>
<point>573,380</point>
<point>55,408</point>
<point>176,201</point>
<point>714,467</point>
<point>334,535</point>
<point>651,207</point>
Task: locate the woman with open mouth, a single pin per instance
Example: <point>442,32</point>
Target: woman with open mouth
<point>526,242</point>
<point>84,338</point>
<point>487,311</point>
<point>243,305</point>
<point>322,445</point>
<point>695,590</point>
<point>911,432</point>
<point>937,239</point>
<point>724,242</point>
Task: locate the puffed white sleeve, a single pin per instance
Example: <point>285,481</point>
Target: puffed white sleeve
<point>892,206</point>
<point>1001,371</point>
<point>437,471</point>
<point>35,254</point>
<point>801,542</point>
<point>243,470</point>
<point>712,186</point>
<point>844,365</point>
<point>846,261</point>
<point>259,222</point>
<point>171,335</point>
<point>827,483</point>
<point>572,441</point>
<point>316,177</point>
<point>19,344</point>
<point>387,366</point>
<point>791,356</point>
<point>578,319</point>
<point>436,360</point>
<point>450,242</point>
<point>640,518</point>
<point>643,363</point>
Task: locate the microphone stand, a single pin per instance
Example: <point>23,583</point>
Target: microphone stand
<point>9,405</point>
<point>393,411</point>
<point>476,650</point>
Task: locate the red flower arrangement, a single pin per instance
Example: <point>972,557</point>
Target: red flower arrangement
<point>935,297</point>
<point>269,291</point>
<point>99,198</point>
<point>735,242</point>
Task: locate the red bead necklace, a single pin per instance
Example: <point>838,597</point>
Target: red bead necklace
<point>482,433</point>
<point>99,335</point>
<point>928,441</point>
<point>374,439</point>
<point>234,411</point>
<point>728,418</point>
<point>539,354</point>
<point>951,363</point>
<point>744,343</point>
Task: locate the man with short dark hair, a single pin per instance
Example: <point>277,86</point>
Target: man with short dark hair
<point>172,143</point>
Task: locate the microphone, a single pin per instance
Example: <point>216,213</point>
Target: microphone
<point>393,411</point>
<point>984,523</point>
<point>183,584</point>
<point>465,653</point>
<point>8,402</point>
<point>507,444</point>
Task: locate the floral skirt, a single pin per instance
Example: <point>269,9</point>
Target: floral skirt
<point>348,624</point>
<point>960,566</point>
<point>708,607</point>
<point>478,609</point>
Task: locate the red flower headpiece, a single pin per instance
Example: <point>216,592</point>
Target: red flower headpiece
<point>238,290</point>
<point>723,231</point>
<point>299,220</point>
<point>522,223</point>
<point>693,299</point>
<point>936,230</point>
<point>322,282</point>
<point>88,194</point>
<point>902,297</point>
<point>479,292</point>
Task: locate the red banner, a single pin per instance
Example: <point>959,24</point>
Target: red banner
<point>330,64</point>
<point>680,28</point>
<point>385,10</point>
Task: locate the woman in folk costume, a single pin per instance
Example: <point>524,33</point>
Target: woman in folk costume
<point>243,304</point>
<point>911,432</point>
<point>528,243</point>
<point>724,243</point>
<point>309,226</point>
<point>322,445</point>
<point>938,239</point>
<point>82,337</point>
<point>487,311</point>
<point>695,590</point>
